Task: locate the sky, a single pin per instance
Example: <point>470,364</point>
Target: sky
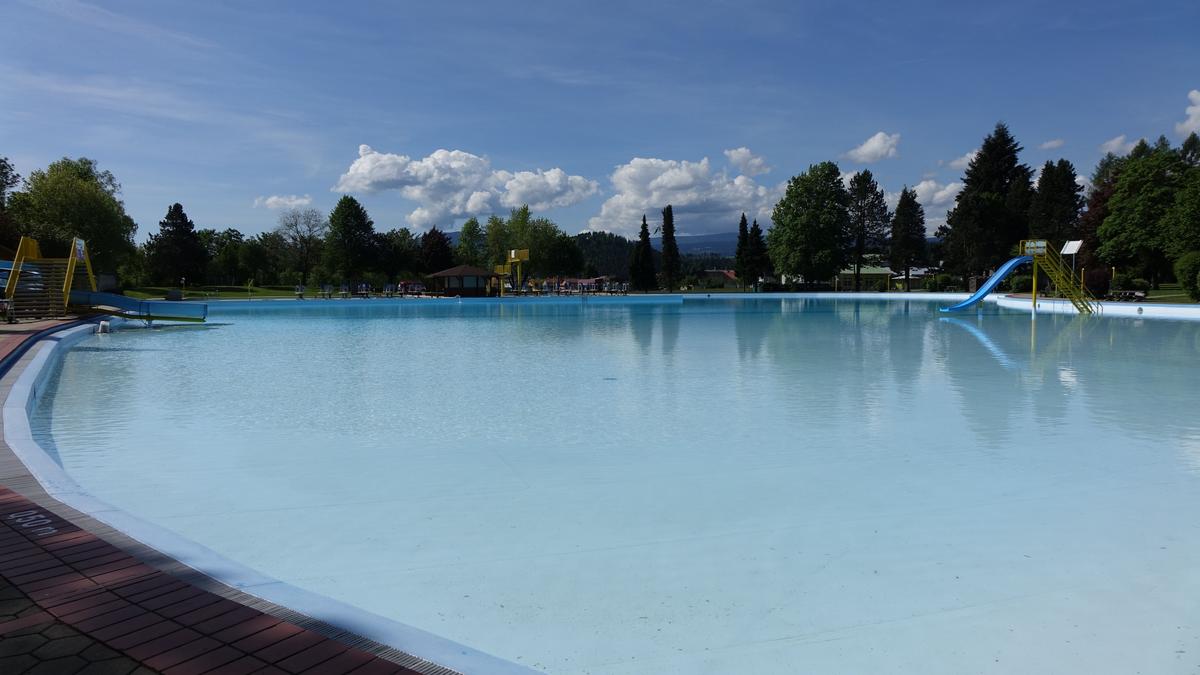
<point>591,113</point>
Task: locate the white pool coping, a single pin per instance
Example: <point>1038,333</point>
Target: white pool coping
<point>22,401</point>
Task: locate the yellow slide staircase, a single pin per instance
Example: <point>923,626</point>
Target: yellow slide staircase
<point>40,287</point>
<point>1050,262</point>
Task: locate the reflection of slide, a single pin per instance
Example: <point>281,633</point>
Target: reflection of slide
<point>1005,270</point>
<point>987,342</point>
<point>145,310</point>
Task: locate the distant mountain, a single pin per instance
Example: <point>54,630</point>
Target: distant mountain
<point>724,243</point>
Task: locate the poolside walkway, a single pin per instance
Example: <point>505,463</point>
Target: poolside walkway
<point>73,602</point>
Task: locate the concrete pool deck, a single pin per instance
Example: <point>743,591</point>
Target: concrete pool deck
<point>78,596</point>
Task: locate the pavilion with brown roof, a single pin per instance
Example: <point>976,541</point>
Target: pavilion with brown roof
<point>465,281</point>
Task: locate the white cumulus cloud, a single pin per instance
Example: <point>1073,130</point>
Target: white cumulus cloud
<point>1052,144</point>
<point>543,190</point>
<point>880,146</point>
<point>933,194</point>
<point>964,161</point>
<point>282,201</point>
<point>1118,145</point>
<point>451,183</point>
<point>1192,123</point>
<point>747,162</point>
<point>704,201</point>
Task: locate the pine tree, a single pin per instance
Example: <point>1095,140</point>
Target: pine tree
<point>1054,209</point>
<point>176,252</point>
<point>810,223</point>
<point>350,241</point>
<point>991,213</point>
<point>868,220</point>
<point>908,235</point>
<point>671,268</point>
<point>641,265</point>
<point>741,260</point>
<point>759,260</point>
<point>436,254</point>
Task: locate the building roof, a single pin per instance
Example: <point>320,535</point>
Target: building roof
<point>464,271</point>
<point>868,269</point>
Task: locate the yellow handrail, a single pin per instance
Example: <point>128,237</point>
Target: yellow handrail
<point>26,249</point>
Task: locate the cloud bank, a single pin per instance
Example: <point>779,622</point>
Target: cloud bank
<point>449,184</point>
<point>1052,144</point>
<point>282,201</point>
<point>704,200</point>
<point>880,146</point>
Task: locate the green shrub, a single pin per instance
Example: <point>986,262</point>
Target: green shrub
<point>1021,283</point>
<point>1187,270</point>
<point>1122,282</point>
<point>882,286</point>
<point>1139,285</point>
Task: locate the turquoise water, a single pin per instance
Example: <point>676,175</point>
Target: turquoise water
<point>768,485</point>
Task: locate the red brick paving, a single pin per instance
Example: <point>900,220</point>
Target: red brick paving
<point>152,617</point>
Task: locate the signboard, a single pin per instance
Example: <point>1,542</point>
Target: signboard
<point>1072,247</point>
<point>1035,247</point>
<point>518,254</point>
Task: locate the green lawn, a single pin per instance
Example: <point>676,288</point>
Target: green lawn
<point>1169,293</point>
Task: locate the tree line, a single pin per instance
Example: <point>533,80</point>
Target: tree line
<point>1140,215</point>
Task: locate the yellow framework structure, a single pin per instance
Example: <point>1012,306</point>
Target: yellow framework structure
<point>1047,259</point>
<point>34,282</point>
<point>516,256</point>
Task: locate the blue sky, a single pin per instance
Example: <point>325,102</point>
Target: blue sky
<point>592,112</point>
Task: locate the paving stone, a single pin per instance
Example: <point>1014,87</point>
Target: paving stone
<point>69,646</point>
<point>98,652</point>
<point>117,666</point>
<point>25,644</point>
<point>17,664</point>
<point>64,666</point>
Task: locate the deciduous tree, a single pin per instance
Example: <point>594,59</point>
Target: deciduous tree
<point>810,224</point>
<point>74,198</point>
<point>305,231</point>
<point>470,249</point>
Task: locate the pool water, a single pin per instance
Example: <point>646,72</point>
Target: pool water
<point>760,485</point>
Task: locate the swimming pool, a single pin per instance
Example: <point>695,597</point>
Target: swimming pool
<point>765,485</point>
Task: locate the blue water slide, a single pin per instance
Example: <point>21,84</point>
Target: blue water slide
<point>989,285</point>
<point>132,308</point>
